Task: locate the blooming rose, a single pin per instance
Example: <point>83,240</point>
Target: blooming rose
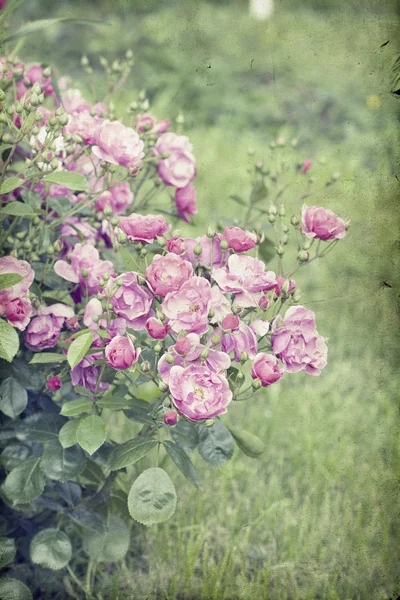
<point>266,369</point>
<point>168,273</point>
<point>187,350</point>
<point>230,322</point>
<point>143,228</point>
<point>121,353</point>
<point>42,332</point>
<point>185,199</point>
<point>119,145</point>
<point>118,198</point>
<point>204,258</point>
<point>177,245</point>
<point>243,339</point>
<point>92,309</point>
<point>54,383</point>
<point>84,125</point>
<point>246,277</point>
<point>86,374</point>
<point>198,393</point>
<point>73,227</point>
<point>219,304</point>
<point>179,168</point>
<point>156,329</point>
<point>84,257</point>
<point>131,300</point>
<point>18,312</point>
<point>295,340</point>
<point>146,122</point>
<point>322,223</point>
<point>260,327</point>
<point>240,240</point>
<point>9,264</point>
<point>187,309</point>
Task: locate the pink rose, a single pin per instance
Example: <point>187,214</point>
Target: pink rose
<point>119,145</point>
<point>198,393</point>
<point>84,125</point>
<point>260,327</point>
<point>121,353</point>
<point>35,75</point>
<point>230,323</point>
<point>204,258</point>
<point>75,228</point>
<point>295,340</point>
<point>177,245</point>
<point>54,383</point>
<point>264,301</point>
<point>241,340</point>
<point>84,257</point>
<point>186,205</point>
<point>42,332</point>
<point>168,273</point>
<point>188,350</point>
<point>245,277</point>
<point>280,281</point>
<point>306,166</point>
<point>143,228</point>
<point>118,198</point>
<point>148,123</point>
<point>18,312</point>
<point>86,374</point>
<point>74,102</point>
<point>179,168</point>
<point>156,329</point>
<point>187,309</point>
<point>219,304</point>
<point>240,240</point>
<point>92,309</point>
<point>266,369</point>
<point>9,264</point>
<point>171,418</point>
<point>131,301</point>
<point>170,142</point>
<point>322,223</point>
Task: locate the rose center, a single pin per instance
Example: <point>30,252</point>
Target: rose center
<point>194,308</point>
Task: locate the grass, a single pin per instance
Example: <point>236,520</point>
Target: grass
<point>317,516</point>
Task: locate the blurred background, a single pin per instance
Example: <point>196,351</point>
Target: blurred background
<point>317,515</point>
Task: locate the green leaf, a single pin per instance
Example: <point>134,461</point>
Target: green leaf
<point>247,442</point>
<point>7,551</point>
<point>51,549</point>
<point>76,407</point>
<point>59,295</point>
<point>185,435</point>
<point>82,391</point>
<point>110,546</point>
<point>183,462</point>
<point>113,403</point>
<point>152,497</point>
<point>67,434</point>
<point>130,452</point>
<point>79,347</point>
<point>216,444</point>
<point>9,341</point>
<point>41,427</point>
<point>25,483</point>
<point>129,262</point>
<point>89,519</point>
<point>13,589</point>
<point>34,26</point>
<point>69,491</point>
<point>7,280</point>
<point>11,184</point>
<point>91,433</point>
<point>60,463</point>
<point>13,455</point>
<point>13,398</point>
<point>68,179</point>
<point>140,411</point>
<point>45,358</point>
<point>17,209</point>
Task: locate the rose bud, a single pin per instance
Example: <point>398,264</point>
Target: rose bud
<point>240,240</point>
<point>306,166</point>
<point>171,418</point>
<point>54,383</point>
<point>121,353</point>
<point>263,302</point>
<point>266,369</point>
<point>230,323</point>
<point>321,223</point>
<point>183,346</point>
<point>156,329</point>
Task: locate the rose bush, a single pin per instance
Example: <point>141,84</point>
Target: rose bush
<point>104,308</point>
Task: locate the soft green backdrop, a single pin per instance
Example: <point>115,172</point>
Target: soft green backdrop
<point>317,516</point>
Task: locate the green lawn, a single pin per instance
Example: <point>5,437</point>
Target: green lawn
<point>317,516</point>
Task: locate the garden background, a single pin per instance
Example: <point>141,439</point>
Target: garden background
<point>317,515</point>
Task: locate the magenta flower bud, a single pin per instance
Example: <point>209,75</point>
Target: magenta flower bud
<point>263,302</point>
<point>156,329</point>
<point>230,323</point>
<point>322,223</point>
<point>183,346</point>
<point>266,369</point>
<point>171,418</point>
<point>240,240</point>
<point>121,353</point>
<point>54,383</point>
<point>306,166</point>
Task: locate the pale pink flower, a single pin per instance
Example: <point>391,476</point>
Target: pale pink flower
<point>156,329</point>
<point>198,393</point>
<point>239,240</point>
<point>187,309</point>
<point>219,304</point>
<point>9,264</point>
<point>280,281</point>
<point>177,245</point>
<point>230,323</point>
<point>118,197</point>
<point>42,332</point>
<point>168,273</point>
<point>121,353</point>
<point>204,259</point>
<point>84,257</point>
<point>179,168</point>
<point>87,374</point>
<point>322,223</point>
<point>186,205</point>
<point>245,277</point>
<point>266,368</point>
<point>143,228</point>
<point>146,123</point>
<point>241,340</point>
<point>76,228</point>
<point>92,309</point>
<point>18,312</point>
<point>83,124</point>
<point>295,340</point>
<point>260,327</point>
<point>131,301</point>
<point>119,145</point>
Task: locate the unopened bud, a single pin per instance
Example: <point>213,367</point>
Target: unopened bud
<point>143,252</point>
<point>63,119</point>
<point>210,232</point>
<point>239,376</point>
<point>211,313</point>
<point>280,250</point>
<point>285,229</point>
<point>285,287</point>
<point>2,96</point>
<point>52,121</point>
<point>307,244</point>
<point>99,296</point>
<point>84,273</point>
<point>162,386</point>
<point>47,72</point>
<point>54,163</point>
<point>215,340</point>
<point>180,119</point>
<point>161,241</point>
<point>34,100</point>
<point>285,239</point>
<point>244,356</point>
<point>197,250</point>
<point>108,211</point>
<point>84,61</point>
<point>169,358</point>
<point>256,384</point>
<point>209,422</point>
<point>19,108</point>
<point>122,237</point>
<point>171,418</point>
<point>224,245</point>
<point>115,220</point>
<point>145,366</point>
<point>204,353</point>
<point>10,110</point>
<point>50,250</point>
<point>272,209</point>
<point>282,211</point>
<point>303,256</point>
<point>294,221</point>
<point>157,348</point>
<point>296,296</point>
<point>271,218</point>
